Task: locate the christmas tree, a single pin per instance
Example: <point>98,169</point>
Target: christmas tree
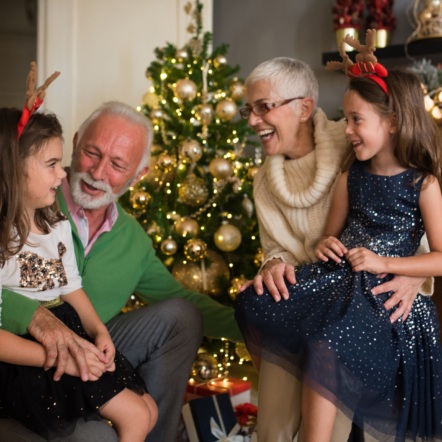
<point>196,202</point>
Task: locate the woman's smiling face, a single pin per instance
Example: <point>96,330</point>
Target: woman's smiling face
<point>277,128</point>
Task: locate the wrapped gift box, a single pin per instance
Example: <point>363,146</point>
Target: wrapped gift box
<point>211,419</point>
<point>238,390</point>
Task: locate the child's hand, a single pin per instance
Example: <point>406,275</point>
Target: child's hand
<point>96,367</point>
<point>363,259</point>
<point>331,247</point>
<point>104,343</point>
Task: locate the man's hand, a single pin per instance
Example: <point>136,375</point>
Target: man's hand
<point>60,342</point>
<point>272,274</point>
<point>104,343</point>
<point>363,259</point>
<point>405,289</point>
<point>330,247</point>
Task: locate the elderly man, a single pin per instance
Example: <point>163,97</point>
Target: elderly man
<point>115,258</point>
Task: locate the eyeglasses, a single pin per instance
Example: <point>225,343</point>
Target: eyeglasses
<point>261,109</point>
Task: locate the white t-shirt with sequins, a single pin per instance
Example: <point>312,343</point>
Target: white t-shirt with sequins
<point>45,269</point>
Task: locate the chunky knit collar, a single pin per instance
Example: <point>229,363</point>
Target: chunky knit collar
<point>316,170</point>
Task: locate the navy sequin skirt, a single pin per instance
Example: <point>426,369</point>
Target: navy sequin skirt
<point>337,338</point>
<point>51,409</point>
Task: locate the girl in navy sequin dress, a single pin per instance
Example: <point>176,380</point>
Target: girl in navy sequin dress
<point>332,333</point>
<point>37,260</point>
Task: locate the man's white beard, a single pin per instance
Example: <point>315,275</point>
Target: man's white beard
<point>91,202</point>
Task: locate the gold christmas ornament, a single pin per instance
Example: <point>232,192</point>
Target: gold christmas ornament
<point>195,249</point>
<point>259,258</point>
<point>150,99</point>
<point>226,109</point>
<point>165,163</point>
<point>187,226</point>
<point>133,304</point>
<point>156,115</point>
<point>241,352</point>
<point>252,172</point>
<point>205,367</point>
<point>185,90</point>
<point>175,217</point>
<point>205,113</point>
<point>181,54</point>
<point>220,168</point>
<point>139,199</point>
<point>220,60</point>
<point>169,246</point>
<point>155,176</point>
<point>191,151</point>
<point>227,238</point>
<point>154,229</point>
<point>247,205</point>
<point>193,191</point>
<point>201,277</point>
<point>238,90</point>
<point>237,283</point>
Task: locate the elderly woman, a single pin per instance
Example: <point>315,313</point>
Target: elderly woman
<point>293,192</point>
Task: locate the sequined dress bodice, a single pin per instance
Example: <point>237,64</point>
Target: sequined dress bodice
<point>384,213</point>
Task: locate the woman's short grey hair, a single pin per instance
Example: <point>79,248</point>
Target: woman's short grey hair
<point>291,78</point>
<point>128,113</point>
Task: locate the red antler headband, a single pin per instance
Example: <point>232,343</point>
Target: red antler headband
<point>366,63</point>
<point>34,98</point>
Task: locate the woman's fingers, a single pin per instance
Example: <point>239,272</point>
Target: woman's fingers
<point>290,274</point>
<point>246,285</point>
<point>278,279</point>
<point>320,255</point>
<point>257,283</point>
<point>271,287</point>
<point>331,254</point>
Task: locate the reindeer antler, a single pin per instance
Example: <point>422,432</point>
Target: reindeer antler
<point>353,43</point>
<point>31,93</point>
<point>345,64</point>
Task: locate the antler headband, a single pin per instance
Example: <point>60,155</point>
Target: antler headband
<point>34,98</point>
<point>366,63</point>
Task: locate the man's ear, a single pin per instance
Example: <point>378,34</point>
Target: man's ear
<point>74,143</point>
<point>307,107</point>
<point>140,175</point>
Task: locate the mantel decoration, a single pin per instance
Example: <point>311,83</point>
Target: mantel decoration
<point>347,19</point>
<point>427,15</point>
<point>381,18</point>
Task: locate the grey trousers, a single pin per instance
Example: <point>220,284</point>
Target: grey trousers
<point>161,342</point>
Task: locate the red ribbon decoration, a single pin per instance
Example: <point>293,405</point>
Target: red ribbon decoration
<point>26,114</point>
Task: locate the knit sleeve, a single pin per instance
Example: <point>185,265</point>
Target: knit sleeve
<point>427,288</point>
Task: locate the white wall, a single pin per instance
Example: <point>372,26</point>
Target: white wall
<point>102,49</point>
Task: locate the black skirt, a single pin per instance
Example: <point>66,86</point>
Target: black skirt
<point>51,409</point>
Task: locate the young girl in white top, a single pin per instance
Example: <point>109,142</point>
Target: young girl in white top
<point>37,260</point>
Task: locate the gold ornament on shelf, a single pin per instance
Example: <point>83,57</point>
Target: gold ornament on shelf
<point>150,99</point>
<point>241,352</point>
<point>195,249</point>
<point>205,113</point>
<point>187,226</point>
<point>200,277</point>
<point>185,90</point>
<point>247,205</point>
<point>156,115</point>
<point>191,151</point>
<point>139,199</point>
<point>205,367</point>
<point>237,283</point>
<point>193,191</point>
<point>428,20</point>
<point>251,173</point>
<point>220,168</point>
<point>226,109</point>
<point>238,90</point>
<point>227,238</point>
<point>169,246</point>
<point>181,54</point>
<point>259,258</point>
<point>220,60</point>
<point>165,163</point>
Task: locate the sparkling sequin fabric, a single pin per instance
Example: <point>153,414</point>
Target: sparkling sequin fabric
<point>37,272</point>
<point>336,337</point>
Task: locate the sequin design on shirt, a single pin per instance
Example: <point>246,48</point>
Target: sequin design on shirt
<point>37,272</point>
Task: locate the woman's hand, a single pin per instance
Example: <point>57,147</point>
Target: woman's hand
<point>272,274</point>
<point>96,368</point>
<point>363,259</point>
<point>104,343</point>
<point>330,247</point>
<point>405,289</point>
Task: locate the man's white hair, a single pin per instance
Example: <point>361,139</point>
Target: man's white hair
<point>128,113</point>
<point>289,77</point>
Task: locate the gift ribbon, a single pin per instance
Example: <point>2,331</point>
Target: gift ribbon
<point>225,385</point>
<point>220,433</point>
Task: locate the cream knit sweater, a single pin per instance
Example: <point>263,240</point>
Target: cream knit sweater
<point>293,197</point>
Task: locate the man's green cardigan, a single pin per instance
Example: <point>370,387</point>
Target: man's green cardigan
<point>120,262</point>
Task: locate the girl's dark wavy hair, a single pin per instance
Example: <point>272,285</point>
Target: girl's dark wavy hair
<point>14,152</point>
<point>417,142</point>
